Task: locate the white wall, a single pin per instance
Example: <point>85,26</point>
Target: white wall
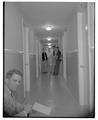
<point>32,42</point>
<point>72,34</point>
<point>13,27</point>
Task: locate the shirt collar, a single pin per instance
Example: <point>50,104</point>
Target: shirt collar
<point>8,89</point>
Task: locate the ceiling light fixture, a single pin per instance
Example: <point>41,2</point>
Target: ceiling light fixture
<point>49,39</point>
<point>49,43</point>
<point>48,27</point>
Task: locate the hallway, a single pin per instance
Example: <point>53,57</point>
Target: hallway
<point>55,37</point>
<point>54,93</point>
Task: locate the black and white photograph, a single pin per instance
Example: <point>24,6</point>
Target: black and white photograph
<point>48,59</point>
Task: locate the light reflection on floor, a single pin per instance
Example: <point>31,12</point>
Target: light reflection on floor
<point>52,91</point>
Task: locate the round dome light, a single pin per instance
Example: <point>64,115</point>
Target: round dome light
<point>49,38</point>
<point>48,27</point>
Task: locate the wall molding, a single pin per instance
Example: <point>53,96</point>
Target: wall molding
<point>16,51</point>
<point>76,50</point>
<point>13,51</point>
<point>73,51</point>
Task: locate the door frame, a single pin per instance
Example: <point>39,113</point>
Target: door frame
<point>64,39</point>
<point>26,64</point>
<point>90,7</point>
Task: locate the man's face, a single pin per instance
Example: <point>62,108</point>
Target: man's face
<point>14,81</point>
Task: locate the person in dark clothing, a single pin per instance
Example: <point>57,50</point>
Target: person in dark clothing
<point>58,54</point>
<point>44,61</point>
<point>54,51</point>
<point>58,60</point>
<point>44,55</point>
<point>53,59</point>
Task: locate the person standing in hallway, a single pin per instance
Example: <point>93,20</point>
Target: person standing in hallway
<point>53,59</point>
<point>58,61</point>
<point>44,61</point>
<point>50,57</point>
<point>11,106</point>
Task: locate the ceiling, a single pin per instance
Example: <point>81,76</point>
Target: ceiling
<point>39,14</point>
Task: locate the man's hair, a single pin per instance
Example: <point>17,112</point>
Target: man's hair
<point>11,72</point>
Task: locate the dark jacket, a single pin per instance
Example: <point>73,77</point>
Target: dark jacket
<point>44,56</point>
<point>58,55</point>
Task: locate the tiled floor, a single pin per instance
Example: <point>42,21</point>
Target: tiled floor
<point>53,92</point>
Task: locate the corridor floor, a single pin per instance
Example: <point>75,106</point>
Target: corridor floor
<point>53,92</point>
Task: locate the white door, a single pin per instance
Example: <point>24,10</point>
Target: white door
<point>82,60</point>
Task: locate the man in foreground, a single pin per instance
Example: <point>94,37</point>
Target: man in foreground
<point>11,106</point>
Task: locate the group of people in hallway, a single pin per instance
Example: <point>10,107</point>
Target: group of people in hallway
<point>51,60</point>
<point>11,107</point>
